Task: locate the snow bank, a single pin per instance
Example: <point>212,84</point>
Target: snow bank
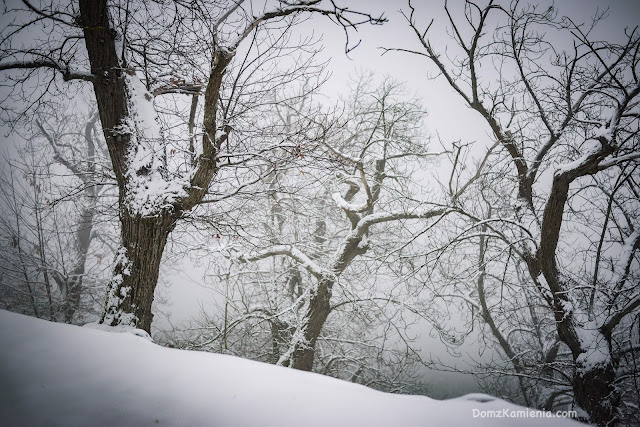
<point>55,374</point>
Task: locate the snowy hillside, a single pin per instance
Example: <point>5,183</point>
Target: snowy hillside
<point>55,374</point>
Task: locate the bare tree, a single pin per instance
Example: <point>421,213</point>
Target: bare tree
<point>25,278</point>
<point>40,204</point>
<point>88,168</point>
<point>478,274</point>
<point>128,51</point>
<point>565,120</point>
<point>298,225</point>
<point>315,233</point>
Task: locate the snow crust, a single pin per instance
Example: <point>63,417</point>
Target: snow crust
<point>150,189</point>
<point>124,329</point>
<point>595,347</point>
<point>592,146</point>
<point>352,207</point>
<point>57,374</point>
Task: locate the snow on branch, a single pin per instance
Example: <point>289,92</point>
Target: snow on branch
<point>603,140</point>
<point>593,151</point>
<point>378,218</point>
<point>291,252</point>
<point>631,244</point>
<point>350,207</point>
<point>228,13</point>
<point>595,348</point>
<point>67,72</point>
<point>617,160</point>
<point>150,187</point>
<point>592,148</point>
<point>615,318</point>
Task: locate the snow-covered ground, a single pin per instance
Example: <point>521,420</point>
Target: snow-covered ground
<point>55,374</point>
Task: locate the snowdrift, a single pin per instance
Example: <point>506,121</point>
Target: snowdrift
<point>55,374</point>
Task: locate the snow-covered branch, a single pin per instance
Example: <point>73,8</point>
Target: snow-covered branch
<point>614,161</point>
<point>68,73</point>
<point>382,217</point>
<point>350,207</point>
<point>290,251</point>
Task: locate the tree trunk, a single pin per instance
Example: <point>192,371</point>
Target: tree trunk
<point>131,290</point>
<point>317,313</point>
<point>595,392</point>
<point>319,305</point>
<point>75,279</point>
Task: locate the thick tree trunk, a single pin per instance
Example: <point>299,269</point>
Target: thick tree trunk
<point>595,392</point>
<point>594,386</point>
<point>131,291</point>
<point>143,238</point>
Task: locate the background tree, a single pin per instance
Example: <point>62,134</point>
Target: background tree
<point>567,123</point>
<point>317,290</point>
<point>52,210</point>
<point>372,148</point>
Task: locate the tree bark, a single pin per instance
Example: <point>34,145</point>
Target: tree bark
<point>595,392</point>
<point>109,86</point>
<point>131,291</point>
<point>594,387</point>
<point>319,306</point>
<point>317,313</point>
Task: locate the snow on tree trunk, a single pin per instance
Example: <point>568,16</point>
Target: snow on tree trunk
<point>317,313</point>
<point>147,197</point>
<point>302,349</point>
<point>594,379</point>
